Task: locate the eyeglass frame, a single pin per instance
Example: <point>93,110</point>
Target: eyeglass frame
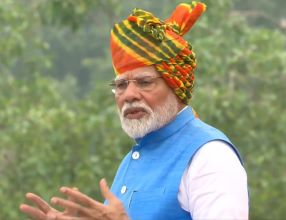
<point>127,81</point>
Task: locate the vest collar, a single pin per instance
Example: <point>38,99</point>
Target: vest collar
<point>166,131</point>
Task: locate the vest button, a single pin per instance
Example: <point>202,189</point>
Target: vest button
<point>135,155</point>
<point>123,189</point>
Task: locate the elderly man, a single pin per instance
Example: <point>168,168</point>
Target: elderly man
<point>180,167</point>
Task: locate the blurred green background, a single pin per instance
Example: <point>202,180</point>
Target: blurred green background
<point>58,121</point>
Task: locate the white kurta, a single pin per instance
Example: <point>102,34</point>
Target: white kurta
<point>214,186</point>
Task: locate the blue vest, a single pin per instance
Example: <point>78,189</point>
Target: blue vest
<point>148,179</point>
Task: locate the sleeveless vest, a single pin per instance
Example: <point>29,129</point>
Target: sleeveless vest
<point>148,179</point>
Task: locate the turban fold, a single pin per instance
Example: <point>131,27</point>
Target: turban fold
<point>143,39</point>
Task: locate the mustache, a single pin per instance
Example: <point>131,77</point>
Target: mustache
<point>135,105</point>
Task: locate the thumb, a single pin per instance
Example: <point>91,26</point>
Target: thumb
<point>105,191</point>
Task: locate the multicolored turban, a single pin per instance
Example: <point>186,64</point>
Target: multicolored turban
<point>143,39</point>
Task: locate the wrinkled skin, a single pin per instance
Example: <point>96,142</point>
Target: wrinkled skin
<point>77,206</point>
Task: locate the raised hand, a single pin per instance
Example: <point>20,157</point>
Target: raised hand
<point>42,210</point>
<point>89,209</point>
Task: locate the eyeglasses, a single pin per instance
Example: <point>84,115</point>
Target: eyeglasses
<point>146,83</point>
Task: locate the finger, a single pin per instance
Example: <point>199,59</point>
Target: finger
<point>51,216</point>
<point>105,191</point>
<point>33,212</point>
<point>80,197</point>
<point>62,217</point>
<point>69,205</point>
<point>71,211</point>
<point>39,202</point>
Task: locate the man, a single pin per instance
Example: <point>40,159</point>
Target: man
<point>180,167</point>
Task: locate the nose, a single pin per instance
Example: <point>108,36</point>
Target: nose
<point>131,93</point>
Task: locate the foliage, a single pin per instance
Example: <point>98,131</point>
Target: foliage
<point>58,122</point>
<point>266,13</point>
<point>47,141</point>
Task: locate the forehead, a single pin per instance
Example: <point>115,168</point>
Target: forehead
<point>139,72</point>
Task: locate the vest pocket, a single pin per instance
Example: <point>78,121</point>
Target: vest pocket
<point>147,200</point>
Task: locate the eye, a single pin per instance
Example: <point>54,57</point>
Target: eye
<point>121,84</point>
<point>145,82</point>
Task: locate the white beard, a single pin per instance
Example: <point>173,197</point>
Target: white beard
<point>137,128</point>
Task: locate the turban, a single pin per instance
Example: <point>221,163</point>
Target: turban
<point>143,39</point>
